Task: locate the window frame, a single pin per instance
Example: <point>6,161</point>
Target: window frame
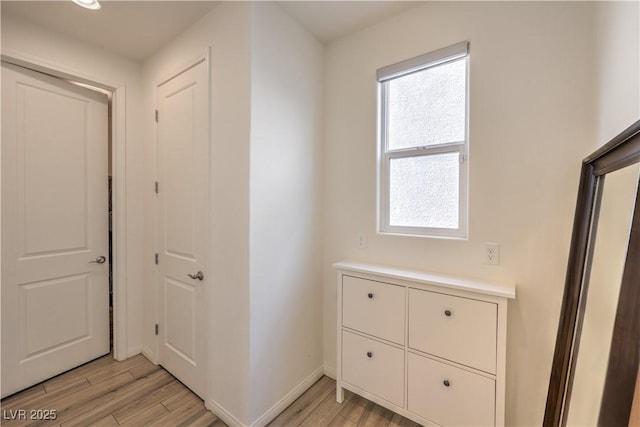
<point>448,54</point>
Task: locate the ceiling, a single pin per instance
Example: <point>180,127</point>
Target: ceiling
<point>123,27</point>
<point>331,20</point>
<point>137,29</point>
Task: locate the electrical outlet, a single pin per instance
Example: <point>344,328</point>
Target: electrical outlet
<point>492,253</point>
<point>362,241</point>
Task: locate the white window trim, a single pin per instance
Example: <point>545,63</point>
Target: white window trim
<point>384,75</point>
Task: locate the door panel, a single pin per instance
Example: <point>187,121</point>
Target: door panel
<point>55,303</point>
<point>71,318</point>
<point>183,165</point>
<point>179,173</point>
<point>45,224</point>
<point>180,306</point>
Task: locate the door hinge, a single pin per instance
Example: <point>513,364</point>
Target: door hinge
<point>156,187</point>
<point>157,328</point>
<point>156,116</point>
<point>156,258</point>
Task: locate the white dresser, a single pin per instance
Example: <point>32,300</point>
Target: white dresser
<point>427,346</point>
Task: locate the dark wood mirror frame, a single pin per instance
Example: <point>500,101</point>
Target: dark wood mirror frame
<point>624,354</point>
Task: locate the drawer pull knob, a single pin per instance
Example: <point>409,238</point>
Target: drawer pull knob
<point>370,295</point>
<point>447,313</point>
<point>446,383</point>
<point>369,354</point>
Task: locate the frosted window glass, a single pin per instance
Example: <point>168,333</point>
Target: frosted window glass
<point>423,191</point>
<point>427,107</point>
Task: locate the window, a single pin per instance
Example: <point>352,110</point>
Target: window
<point>423,144</point>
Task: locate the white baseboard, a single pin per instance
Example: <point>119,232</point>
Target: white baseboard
<point>330,372</point>
<point>288,399</point>
<point>146,352</point>
<point>223,414</point>
<point>134,351</point>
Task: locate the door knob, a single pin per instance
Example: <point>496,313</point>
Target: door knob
<point>198,275</point>
<point>99,260</point>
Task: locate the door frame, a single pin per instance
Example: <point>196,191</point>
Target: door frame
<point>165,76</point>
<point>119,183</point>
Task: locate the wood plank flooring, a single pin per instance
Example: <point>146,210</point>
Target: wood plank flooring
<point>137,393</point>
<point>318,407</point>
<point>109,393</point>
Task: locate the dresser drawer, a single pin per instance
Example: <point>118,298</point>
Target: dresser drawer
<point>374,308</point>
<point>373,366</point>
<point>448,395</point>
<point>459,329</point>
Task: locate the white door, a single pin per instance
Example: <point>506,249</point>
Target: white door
<point>55,297</point>
<point>183,196</point>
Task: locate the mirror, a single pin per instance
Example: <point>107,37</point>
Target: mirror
<point>597,353</point>
<point>600,294</point>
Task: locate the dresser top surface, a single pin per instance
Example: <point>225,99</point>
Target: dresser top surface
<point>464,284</point>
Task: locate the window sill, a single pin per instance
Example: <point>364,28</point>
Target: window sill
<point>422,236</point>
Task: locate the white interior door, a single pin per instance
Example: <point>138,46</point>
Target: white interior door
<point>183,165</point>
<point>55,297</point>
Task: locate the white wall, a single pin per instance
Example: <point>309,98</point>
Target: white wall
<point>532,120</point>
<point>286,243</point>
<point>265,289</point>
<point>618,53</point>
<point>52,50</point>
<point>226,30</point>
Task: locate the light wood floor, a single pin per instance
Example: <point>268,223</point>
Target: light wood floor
<point>318,407</point>
<point>137,393</point>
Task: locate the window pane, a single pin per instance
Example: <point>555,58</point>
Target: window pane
<point>427,107</point>
<point>423,191</point>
